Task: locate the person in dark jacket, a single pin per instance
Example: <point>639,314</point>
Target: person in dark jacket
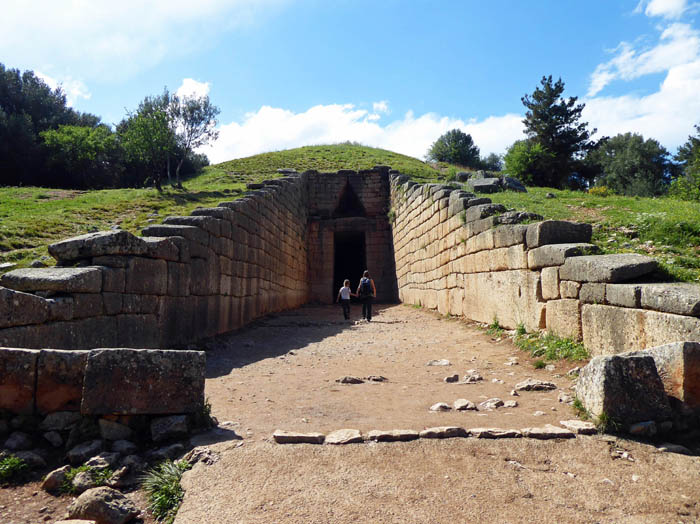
<point>367,292</point>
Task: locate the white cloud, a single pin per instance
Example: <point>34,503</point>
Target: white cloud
<point>381,107</point>
<point>192,88</point>
<point>73,89</point>
<point>678,44</point>
<point>107,40</point>
<point>665,8</point>
<point>270,129</point>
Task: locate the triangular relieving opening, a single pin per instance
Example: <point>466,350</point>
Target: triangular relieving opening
<point>349,204</point>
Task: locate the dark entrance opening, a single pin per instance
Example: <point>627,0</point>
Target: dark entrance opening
<point>349,261</point>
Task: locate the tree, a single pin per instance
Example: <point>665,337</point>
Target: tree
<point>687,184</point>
<point>193,120</point>
<point>631,165</point>
<point>455,147</point>
<point>492,162</point>
<point>554,123</point>
<point>527,161</point>
<point>147,136</point>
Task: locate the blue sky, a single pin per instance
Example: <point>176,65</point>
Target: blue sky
<point>393,74</point>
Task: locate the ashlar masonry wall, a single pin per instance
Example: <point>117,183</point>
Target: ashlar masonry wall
<point>464,255</point>
<point>189,278</point>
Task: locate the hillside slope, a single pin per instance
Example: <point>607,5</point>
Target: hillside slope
<point>31,218</point>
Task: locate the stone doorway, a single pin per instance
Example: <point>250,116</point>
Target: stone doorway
<point>350,259</point>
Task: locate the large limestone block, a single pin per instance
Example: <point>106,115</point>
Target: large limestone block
<point>509,235</point>
<point>142,381</point>
<point>59,383</point>
<point>557,232</point>
<point>609,330</point>
<point>59,279</point>
<point>564,318</point>
<point>191,233</point>
<point>207,223</point>
<point>679,298</point>
<point>556,254</point>
<point>147,276</point>
<point>513,297</point>
<point>482,211</point>
<point>550,283</point>
<point>19,309</point>
<point>678,365</point>
<point>485,185</point>
<point>626,388</point>
<point>625,295</point>
<point>17,377</point>
<point>102,243</point>
<point>607,268</point>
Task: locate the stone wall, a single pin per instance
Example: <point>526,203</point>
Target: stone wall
<point>463,255</point>
<point>189,278</point>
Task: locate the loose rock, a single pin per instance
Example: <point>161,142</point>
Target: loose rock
<point>462,404</point>
<point>441,362</point>
<point>291,437</point>
<point>84,451</point>
<point>444,432</point>
<point>495,433</point>
<point>491,404</point>
<point>32,459</point>
<point>440,406</point>
<point>531,384</point>
<point>54,479</point>
<point>452,378</point>
<point>394,435</point>
<point>83,481</point>
<point>510,404</point>
<point>103,460</point>
<point>547,432</point>
<point>349,380</point>
<point>18,441</point>
<point>344,436</point>
<point>105,505</point>
<point>124,447</point>
<point>54,438</point>
<point>472,377</point>
<point>579,427</point>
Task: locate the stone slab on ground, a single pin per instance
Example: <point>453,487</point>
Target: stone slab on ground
<point>60,279</point>
<point>344,436</point>
<point>547,432</point>
<point>626,388</point>
<point>678,365</point>
<point>444,432</point>
<point>494,433</point>
<point>17,377</point>
<point>580,427</point>
<point>607,268</point>
<point>143,381</point>
<point>394,435</point>
<point>293,437</point>
<point>532,384</point>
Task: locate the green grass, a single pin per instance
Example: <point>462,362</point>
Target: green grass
<point>162,485</point>
<point>12,469</point>
<point>547,347</point>
<point>494,328</point>
<point>99,475</point>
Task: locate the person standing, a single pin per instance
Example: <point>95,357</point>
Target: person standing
<point>367,292</point>
<point>344,298</point>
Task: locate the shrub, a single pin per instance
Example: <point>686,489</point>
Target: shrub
<point>162,485</point>
<point>601,191</point>
<point>12,469</point>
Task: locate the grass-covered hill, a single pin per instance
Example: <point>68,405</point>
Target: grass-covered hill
<point>32,217</point>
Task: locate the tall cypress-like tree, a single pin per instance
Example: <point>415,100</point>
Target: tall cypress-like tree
<point>554,122</point>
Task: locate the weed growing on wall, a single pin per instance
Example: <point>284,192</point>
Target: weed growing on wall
<point>12,469</point>
<point>494,328</point>
<point>548,347</point>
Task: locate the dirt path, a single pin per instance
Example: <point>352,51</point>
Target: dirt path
<point>280,373</point>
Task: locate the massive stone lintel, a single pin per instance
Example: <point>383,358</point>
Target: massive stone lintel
<point>143,381</point>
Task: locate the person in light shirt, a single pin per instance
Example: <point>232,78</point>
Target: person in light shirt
<point>344,298</point>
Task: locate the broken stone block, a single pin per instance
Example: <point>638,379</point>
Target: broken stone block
<point>491,404</point>
<point>678,365</point>
<point>607,268</point>
<point>59,279</point>
<point>344,436</point>
<point>626,388</point>
<point>532,384</point>
<point>557,232</point>
<point>17,377</point>
<point>547,432</point>
<point>440,406</point>
<point>143,381</point>
<point>102,243</point>
<point>494,433</point>
<point>293,437</point>
<point>19,309</point>
<point>482,211</point>
<point>625,295</point>
<point>484,185</point>
<point>579,427</point>
<point>462,404</point>
<point>59,384</point>
<point>556,254</point>
<point>512,184</point>
<point>569,288</point>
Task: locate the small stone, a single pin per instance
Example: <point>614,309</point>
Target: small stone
<point>291,437</point>
<point>510,404</point>
<point>494,433</point>
<point>54,479</point>
<point>394,435</point>
<point>33,460</point>
<point>103,460</point>
<point>491,404</point>
<point>344,436</point>
<point>635,478</point>
<point>167,452</point>
<point>547,432</point>
<point>538,413</point>
<point>18,441</point>
<point>472,376</point>
<point>201,454</point>
<point>565,398</point>
<point>550,367</point>
<point>83,481</point>
<point>514,393</point>
<point>452,378</point>
<point>123,478</point>
<point>133,462</point>
<point>54,438</point>
<point>579,427</point>
<point>462,404</point>
<point>496,381</point>
<point>376,378</point>
<point>441,362</point>
<point>84,451</point>
<point>440,406</point>
<point>104,505</point>
<point>668,447</point>
<point>573,371</point>
<point>534,385</point>
<point>444,432</point>
<point>349,380</point>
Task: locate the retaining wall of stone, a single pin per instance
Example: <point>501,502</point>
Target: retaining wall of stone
<point>189,278</point>
<point>463,255</point>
